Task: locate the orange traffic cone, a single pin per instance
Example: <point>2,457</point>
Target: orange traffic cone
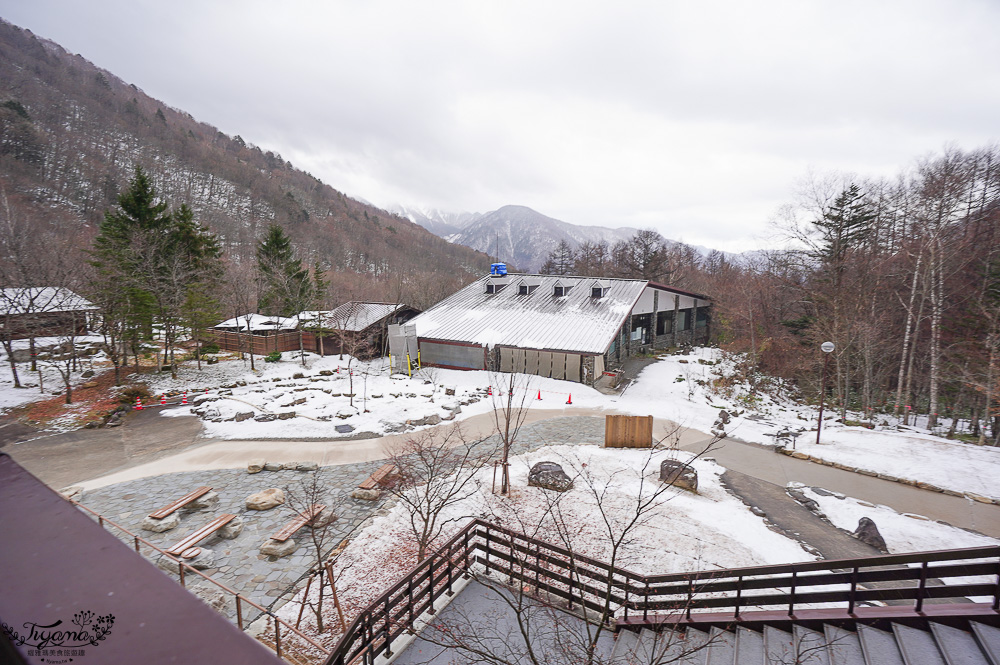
<point>163,400</point>
<point>570,400</point>
<point>184,399</point>
<point>539,394</point>
<point>138,404</point>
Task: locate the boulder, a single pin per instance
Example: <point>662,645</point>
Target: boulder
<point>211,594</point>
<point>432,419</point>
<point>366,495</point>
<point>245,415</point>
<point>306,466</point>
<point>550,476</point>
<point>868,533</point>
<point>273,466</point>
<point>289,466</point>
<point>277,548</point>
<point>204,502</point>
<point>449,390</point>
<point>265,418</point>
<point>266,500</point>
<point>325,518</point>
<point>679,475</point>
<point>256,465</point>
<point>87,374</point>
<point>89,384</point>
<point>205,559</point>
<point>325,372</point>
<point>287,415</point>
<point>159,526</point>
<point>344,414</point>
<point>73,492</point>
<point>233,529</point>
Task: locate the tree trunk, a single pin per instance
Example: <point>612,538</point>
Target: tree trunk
<point>906,336</point>
<point>937,307</point>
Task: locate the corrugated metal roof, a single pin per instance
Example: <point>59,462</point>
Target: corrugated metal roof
<point>42,299</point>
<point>540,320</point>
<point>352,316</point>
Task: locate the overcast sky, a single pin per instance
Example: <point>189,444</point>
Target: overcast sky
<point>696,118</point>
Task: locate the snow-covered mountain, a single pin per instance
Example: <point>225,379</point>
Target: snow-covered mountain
<point>438,222</point>
<point>525,237</point>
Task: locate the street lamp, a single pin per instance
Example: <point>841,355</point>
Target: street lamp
<point>827,348</point>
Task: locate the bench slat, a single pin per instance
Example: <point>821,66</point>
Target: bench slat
<point>201,534</point>
<point>180,503</point>
<point>289,529</point>
<point>374,481</point>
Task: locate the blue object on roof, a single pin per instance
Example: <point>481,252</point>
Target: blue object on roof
<point>498,269</point>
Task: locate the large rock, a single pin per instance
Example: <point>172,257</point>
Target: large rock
<point>213,595</point>
<point>159,526</point>
<point>273,466</point>
<point>244,415</point>
<point>325,518</point>
<point>279,549</point>
<point>232,529</point>
<point>266,500</point>
<point>366,495</point>
<point>868,533</point>
<point>287,415</point>
<point>550,476</point>
<point>205,559</point>
<point>204,502</point>
<point>256,465</point>
<point>679,475</point>
<point>306,466</point>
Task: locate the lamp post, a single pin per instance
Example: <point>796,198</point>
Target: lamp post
<point>827,348</point>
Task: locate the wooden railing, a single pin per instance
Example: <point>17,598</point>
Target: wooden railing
<point>613,594</point>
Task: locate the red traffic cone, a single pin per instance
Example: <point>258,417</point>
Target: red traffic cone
<point>184,399</point>
<point>539,394</point>
<point>489,391</point>
<point>338,369</point>
<point>206,391</point>
<point>163,400</point>
<point>138,404</point>
<point>570,400</point>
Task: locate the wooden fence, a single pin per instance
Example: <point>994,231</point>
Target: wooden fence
<point>259,345</point>
<point>628,431</point>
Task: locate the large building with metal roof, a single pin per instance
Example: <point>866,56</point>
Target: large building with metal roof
<point>564,327</point>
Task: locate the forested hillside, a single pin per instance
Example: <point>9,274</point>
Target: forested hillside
<point>72,134</point>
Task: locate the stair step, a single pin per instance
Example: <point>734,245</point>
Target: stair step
<point>749,647</point>
<point>695,651</point>
<point>779,646</point>
<point>624,647</point>
<point>649,645</point>
<point>879,647</point>
<point>959,647</point>
<point>917,646</point>
<point>810,647</point>
<point>721,648</point>
<point>989,640</point>
<point>844,646</point>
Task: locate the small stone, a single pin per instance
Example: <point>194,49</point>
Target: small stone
<point>306,466</point>
<point>277,548</point>
<point>868,533</point>
<point>798,454</point>
<point>550,476</point>
<point>205,559</point>
<point>366,495</point>
<point>679,475</point>
<point>265,500</point>
<point>74,492</point>
<point>289,466</point>
<point>325,372</point>
<point>89,384</point>
<point>287,415</point>
<point>256,465</point>
<point>159,526</point>
<point>245,415</point>
<point>272,466</point>
<point>204,502</point>
<point>344,414</point>
<point>325,518</point>
<point>211,594</point>
<point>232,529</point>
<point>87,374</point>
<point>449,390</point>
<point>265,417</point>
<point>298,375</point>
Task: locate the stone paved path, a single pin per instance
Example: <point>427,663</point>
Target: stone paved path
<point>239,564</point>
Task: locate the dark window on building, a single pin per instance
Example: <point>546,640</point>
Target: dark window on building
<point>664,323</point>
<point>702,318</point>
<point>597,292</point>
<point>495,288</point>
<point>522,290</point>
<point>562,291</point>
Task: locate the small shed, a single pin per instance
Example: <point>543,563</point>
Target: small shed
<point>46,311</point>
<point>356,327</point>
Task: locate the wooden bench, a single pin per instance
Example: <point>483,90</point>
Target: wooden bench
<point>304,518</point>
<point>186,547</point>
<point>181,502</point>
<point>384,475</point>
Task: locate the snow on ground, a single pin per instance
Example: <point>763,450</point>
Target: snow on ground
<point>680,388</point>
<point>52,381</point>
<point>901,532</point>
<point>683,531</point>
<point>382,403</point>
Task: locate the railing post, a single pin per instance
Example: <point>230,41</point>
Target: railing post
<point>690,599</point>
<point>449,567</point>
<point>465,553</point>
<point>387,631</point>
<point>996,592</point>
<point>922,589</point>
<point>626,586</point>
<point>180,568</point>
<point>430,586</point>
<point>489,546</point>
<point>239,612</point>
<point>100,520</point>
<point>791,594</point>
<point>136,544</point>
<point>277,637</point>
<point>645,600</point>
<point>409,600</point>
<point>854,591</point>
<point>739,596</point>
